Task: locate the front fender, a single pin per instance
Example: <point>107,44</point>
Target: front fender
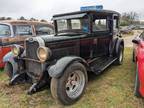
<point>9,58</point>
<point>58,68</point>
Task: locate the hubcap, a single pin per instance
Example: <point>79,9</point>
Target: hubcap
<point>75,84</point>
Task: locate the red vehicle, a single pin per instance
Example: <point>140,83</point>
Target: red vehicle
<point>138,57</point>
<point>16,31</point>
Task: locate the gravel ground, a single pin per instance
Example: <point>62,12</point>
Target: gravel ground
<point>128,38</point>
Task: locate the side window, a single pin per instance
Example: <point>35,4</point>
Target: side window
<point>22,30</point>
<point>43,30</point>
<point>115,24</point>
<point>100,25</point>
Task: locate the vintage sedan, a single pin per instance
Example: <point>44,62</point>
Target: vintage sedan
<point>16,31</point>
<point>84,41</point>
<point>138,58</point>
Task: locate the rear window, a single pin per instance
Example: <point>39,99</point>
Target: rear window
<point>43,30</point>
<point>23,30</point>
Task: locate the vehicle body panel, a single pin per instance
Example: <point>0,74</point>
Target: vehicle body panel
<point>140,63</point>
<point>138,57</point>
<point>6,42</point>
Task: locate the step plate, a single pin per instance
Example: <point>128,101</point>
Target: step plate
<point>100,64</point>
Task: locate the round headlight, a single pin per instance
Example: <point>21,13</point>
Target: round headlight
<point>43,53</point>
<point>16,50</point>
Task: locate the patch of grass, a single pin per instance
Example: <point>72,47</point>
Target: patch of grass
<point>112,89</point>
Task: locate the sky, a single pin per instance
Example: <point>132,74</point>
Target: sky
<point>45,9</point>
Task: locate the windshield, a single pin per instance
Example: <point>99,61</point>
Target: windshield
<point>22,30</point>
<point>43,30</point>
<point>73,25</point>
<point>4,30</point>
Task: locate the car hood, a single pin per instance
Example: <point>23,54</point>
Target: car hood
<point>53,38</point>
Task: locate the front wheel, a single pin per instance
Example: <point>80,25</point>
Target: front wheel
<point>70,86</point>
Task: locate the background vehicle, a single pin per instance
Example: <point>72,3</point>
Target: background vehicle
<point>85,41</point>
<point>15,32</point>
<point>127,29</point>
<point>138,57</point>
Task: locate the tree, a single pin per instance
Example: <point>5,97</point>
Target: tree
<point>129,18</point>
<point>22,18</point>
<point>43,20</point>
<point>2,18</point>
<point>33,19</point>
<point>9,18</point>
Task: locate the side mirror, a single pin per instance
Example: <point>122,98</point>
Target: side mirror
<point>136,41</point>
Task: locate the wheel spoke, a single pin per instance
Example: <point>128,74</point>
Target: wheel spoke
<point>74,77</point>
<point>75,84</point>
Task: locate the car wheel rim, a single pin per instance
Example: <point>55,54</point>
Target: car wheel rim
<point>75,84</point>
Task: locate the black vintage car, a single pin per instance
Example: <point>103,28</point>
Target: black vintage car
<point>84,41</point>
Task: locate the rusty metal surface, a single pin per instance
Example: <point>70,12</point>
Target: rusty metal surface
<point>19,39</point>
<point>13,22</point>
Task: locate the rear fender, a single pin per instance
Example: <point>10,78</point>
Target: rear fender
<point>117,46</point>
<point>59,67</point>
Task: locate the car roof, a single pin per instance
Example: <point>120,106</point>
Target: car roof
<point>13,22</point>
<point>98,12</point>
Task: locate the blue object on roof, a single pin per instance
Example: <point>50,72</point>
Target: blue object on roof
<point>94,8</point>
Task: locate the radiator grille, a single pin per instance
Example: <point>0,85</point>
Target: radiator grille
<point>31,49</point>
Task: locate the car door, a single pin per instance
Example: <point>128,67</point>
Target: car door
<point>6,34</point>
<point>102,36</point>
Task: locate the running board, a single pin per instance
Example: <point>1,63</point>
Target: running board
<point>100,64</point>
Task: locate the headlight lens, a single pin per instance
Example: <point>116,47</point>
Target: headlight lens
<point>16,50</point>
<point>43,53</point>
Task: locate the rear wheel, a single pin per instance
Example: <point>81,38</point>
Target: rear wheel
<point>70,86</point>
<point>9,70</point>
<point>120,55</point>
<point>137,85</point>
